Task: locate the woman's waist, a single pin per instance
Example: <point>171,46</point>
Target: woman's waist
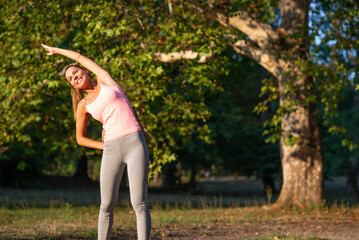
<point>112,133</point>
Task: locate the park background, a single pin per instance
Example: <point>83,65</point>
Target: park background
<point>228,93</point>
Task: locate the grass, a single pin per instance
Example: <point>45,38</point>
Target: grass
<point>29,222</point>
<point>65,214</point>
<point>12,198</point>
<point>218,193</point>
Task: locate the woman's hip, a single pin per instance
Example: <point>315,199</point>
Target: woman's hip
<point>132,143</point>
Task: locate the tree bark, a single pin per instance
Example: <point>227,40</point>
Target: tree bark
<point>302,159</point>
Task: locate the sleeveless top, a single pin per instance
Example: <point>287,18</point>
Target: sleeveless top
<point>112,108</point>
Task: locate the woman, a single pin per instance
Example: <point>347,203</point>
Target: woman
<point>123,142</point>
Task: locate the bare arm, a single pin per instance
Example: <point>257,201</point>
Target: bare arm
<point>103,77</point>
<point>81,119</point>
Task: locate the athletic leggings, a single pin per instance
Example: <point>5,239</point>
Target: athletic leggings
<point>130,150</point>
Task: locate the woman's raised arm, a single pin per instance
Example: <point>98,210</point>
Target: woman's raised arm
<point>103,77</point>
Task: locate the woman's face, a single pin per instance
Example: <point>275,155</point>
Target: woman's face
<point>76,76</point>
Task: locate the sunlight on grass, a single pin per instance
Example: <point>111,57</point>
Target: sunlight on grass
<point>33,214</point>
<point>22,222</point>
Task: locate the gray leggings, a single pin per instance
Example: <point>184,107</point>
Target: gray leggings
<point>130,150</point>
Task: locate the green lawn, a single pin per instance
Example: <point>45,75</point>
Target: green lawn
<point>29,219</point>
<point>72,214</point>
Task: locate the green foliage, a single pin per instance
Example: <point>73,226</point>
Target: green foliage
<point>37,126</point>
<point>238,146</point>
<point>335,49</point>
<point>333,64</point>
<point>347,119</point>
<point>34,108</point>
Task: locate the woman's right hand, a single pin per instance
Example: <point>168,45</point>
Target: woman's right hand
<point>51,50</point>
<point>103,134</point>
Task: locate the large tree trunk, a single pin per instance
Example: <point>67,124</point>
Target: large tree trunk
<point>301,156</point>
<point>300,144</point>
<point>284,52</point>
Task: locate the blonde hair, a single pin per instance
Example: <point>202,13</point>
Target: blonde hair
<point>76,94</point>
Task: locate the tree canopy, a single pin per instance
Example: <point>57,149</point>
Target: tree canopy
<point>173,61</point>
<point>37,126</point>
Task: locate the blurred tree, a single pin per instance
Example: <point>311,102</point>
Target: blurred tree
<point>123,37</point>
<point>236,129</point>
<point>36,120</point>
<point>335,48</point>
<point>237,146</point>
<point>343,161</point>
<point>276,35</point>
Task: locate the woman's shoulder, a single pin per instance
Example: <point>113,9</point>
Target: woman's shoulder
<point>81,106</point>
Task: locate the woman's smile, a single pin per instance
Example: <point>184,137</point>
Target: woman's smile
<point>79,80</point>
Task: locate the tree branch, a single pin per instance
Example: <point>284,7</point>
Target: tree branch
<point>263,57</point>
<point>170,7</point>
<point>259,32</point>
<point>188,54</point>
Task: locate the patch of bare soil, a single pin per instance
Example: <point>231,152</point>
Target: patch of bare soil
<point>322,230</point>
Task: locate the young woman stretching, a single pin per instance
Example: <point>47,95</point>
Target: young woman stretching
<point>123,142</point>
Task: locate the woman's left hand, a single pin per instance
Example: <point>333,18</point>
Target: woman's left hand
<point>48,48</point>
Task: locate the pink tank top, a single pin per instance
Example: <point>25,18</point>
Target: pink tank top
<point>112,108</point>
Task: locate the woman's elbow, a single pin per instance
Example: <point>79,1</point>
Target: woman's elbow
<point>80,141</point>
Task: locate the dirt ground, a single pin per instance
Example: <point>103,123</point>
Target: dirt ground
<point>320,230</point>
<point>286,231</point>
<point>333,229</point>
